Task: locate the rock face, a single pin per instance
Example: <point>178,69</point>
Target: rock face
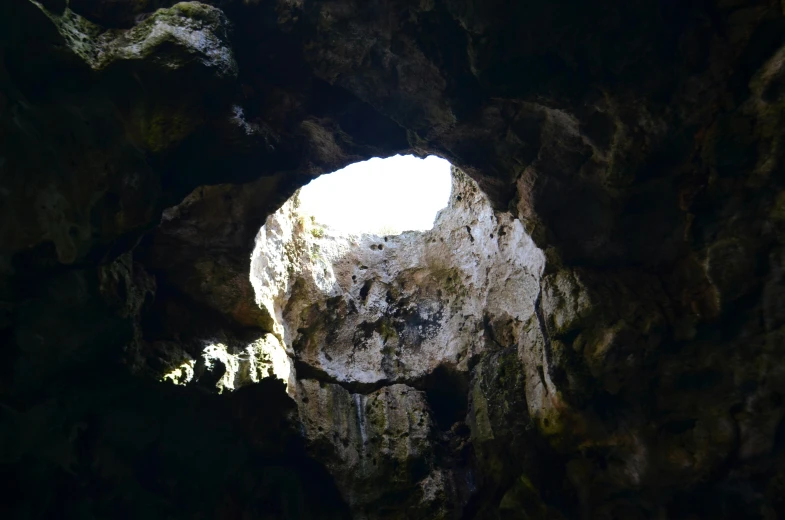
<point>383,333</point>
<point>367,309</point>
<point>143,143</point>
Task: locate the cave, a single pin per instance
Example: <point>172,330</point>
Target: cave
<point>595,331</point>
<point>386,328</point>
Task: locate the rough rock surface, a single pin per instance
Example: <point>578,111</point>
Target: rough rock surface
<point>367,309</point>
<point>379,448</point>
<point>390,327</point>
<point>639,143</point>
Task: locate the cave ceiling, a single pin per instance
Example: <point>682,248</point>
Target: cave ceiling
<point>639,144</point>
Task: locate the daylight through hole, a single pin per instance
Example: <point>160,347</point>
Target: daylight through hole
<point>379,196</point>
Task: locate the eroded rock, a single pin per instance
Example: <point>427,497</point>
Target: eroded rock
<point>369,309</point>
<point>395,322</point>
<point>377,445</point>
<point>639,143</point>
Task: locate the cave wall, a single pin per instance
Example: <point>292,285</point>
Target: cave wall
<point>384,334</point>
<point>637,142</point>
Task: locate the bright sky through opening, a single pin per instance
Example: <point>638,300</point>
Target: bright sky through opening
<point>380,196</point>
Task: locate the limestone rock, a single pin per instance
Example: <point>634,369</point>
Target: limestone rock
<point>638,143</point>
<point>374,318</point>
<point>232,366</point>
<point>172,38</point>
<point>369,309</point>
<point>376,445</point>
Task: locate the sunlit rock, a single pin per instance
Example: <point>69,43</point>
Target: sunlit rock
<point>369,320</point>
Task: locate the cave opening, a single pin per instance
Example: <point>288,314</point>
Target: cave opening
<point>366,206</point>
<point>378,275</point>
<point>366,310</point>
<point>380,196</point>
<point>332,249</point>
<point>383,330</point>
<point>377,325</point>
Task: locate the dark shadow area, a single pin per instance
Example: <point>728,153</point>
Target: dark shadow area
<point>141,449</point>
<point>447,393</point>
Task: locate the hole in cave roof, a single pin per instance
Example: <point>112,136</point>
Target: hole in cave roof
<point>380,196</point>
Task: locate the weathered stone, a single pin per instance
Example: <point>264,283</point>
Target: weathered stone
<point>376,446</point>
<point>369,309</point>
<point>412,311</point>
<point>638,143</point>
